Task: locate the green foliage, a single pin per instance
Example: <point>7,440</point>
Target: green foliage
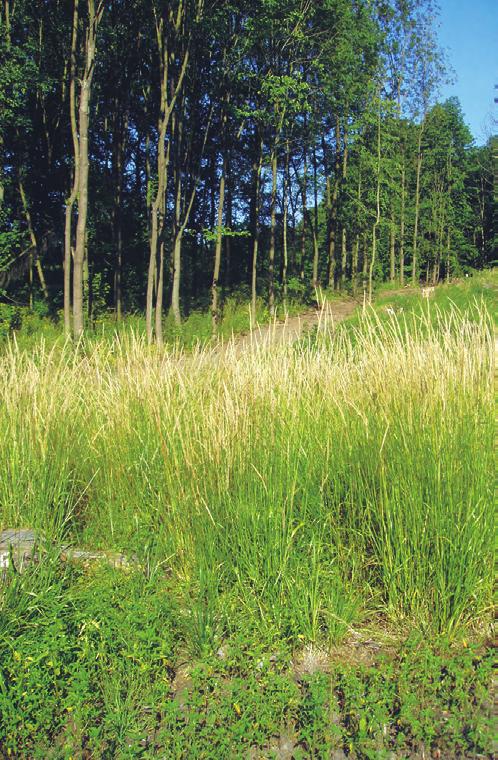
<point>82,653</point>
<point>93,663</point>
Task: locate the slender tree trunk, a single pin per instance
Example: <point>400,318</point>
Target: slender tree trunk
<point>229,222</point>
<point>316,252</point>
<point>169,92</point>
<point>34,242</point>
<point>364,263</point>
<point>332,208</point>
<point>218,247</point>
<point>392,250</point>
<point>377,215</point>
<point>255,244</point>
<point>355,255</point>
<point>160,294</point>
<point>417,209</point>
<point>182,216</point>
<point>273,228</point>
<point>304,195</point>
<point>74,192</point>
<point>219,220</point>
<point>344,250</point>
<point>79,248</point>
<point>448,254</point>
<point>175,291</point>
<point>117,218</point>
<point>402,226</point>
<point>354,263</point>
<point>344,257</point>
<point>94,18</point>
<point>285,266</point>
<point>157,209</point>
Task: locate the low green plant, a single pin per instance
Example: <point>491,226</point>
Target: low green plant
<point>277,498</point>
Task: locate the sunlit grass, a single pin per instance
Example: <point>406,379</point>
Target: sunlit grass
<point>298,489</point>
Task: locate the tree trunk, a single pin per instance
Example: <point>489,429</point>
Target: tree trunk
<point>94,18</point>
<point>344,257</point>
<point>79,248</point>
<point>304,196</point>
<point>255,243</point>
<point>273,226</point>
<point>354,263</point>
<point>169,92</point>
<point>402,227</point>
<point>392,250</point>
<point>364,263</point>
<point>217,253</point>
<point>285,265</point>
<point>332,195</point>
<point>175,291</point>
<point>34,242</point>
<point>316,251</point>
<point>229,222</point>
<point>119,148</point>
<point>344,251</point>
<point>448,253</point>
<point>74,191</point>
<point>417,208</point>
<point>158,205</point>
<point>377,215</point>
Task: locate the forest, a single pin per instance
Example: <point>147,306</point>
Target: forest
<point>156,157</point>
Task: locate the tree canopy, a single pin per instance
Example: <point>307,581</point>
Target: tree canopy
<point>157,155</point>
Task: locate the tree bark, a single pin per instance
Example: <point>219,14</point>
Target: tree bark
<point>285,201</point>
<point>94,18</point>
<point>344,251</point>
<point>332,195</point>
<point>255,242</point>
<point>119,148</point>
<point>344,257</point>
<point>402,226</point>
<point>74,191</point>
<point>169,93</point>
<point>392,250</point>
<point>377,215</point>
<point>218,247</point>
<point>316,252</point>
<point>304,196</point>
<point>354,263</point>
<point>34,242</point>
<point>273,227</point>
<point>417,208</point>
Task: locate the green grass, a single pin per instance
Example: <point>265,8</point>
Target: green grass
<point>27,328</point>
<point>480,290</point>
<point>98,666</point>
<point>278,501</point>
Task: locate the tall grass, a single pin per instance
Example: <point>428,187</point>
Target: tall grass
<point>297,489</point>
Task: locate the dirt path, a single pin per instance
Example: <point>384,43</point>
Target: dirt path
<point>292,328</point>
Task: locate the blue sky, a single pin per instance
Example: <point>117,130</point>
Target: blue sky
<point>469,35</point>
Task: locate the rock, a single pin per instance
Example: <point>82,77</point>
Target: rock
<point>284,746</point>
<point>20,546</point>
<point>87,558</point>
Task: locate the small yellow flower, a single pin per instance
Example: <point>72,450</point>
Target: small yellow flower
<point>237,709</point>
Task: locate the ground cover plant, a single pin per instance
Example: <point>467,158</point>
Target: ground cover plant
<point>275,505</point>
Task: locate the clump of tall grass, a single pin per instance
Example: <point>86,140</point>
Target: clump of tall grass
<point>295,488</point>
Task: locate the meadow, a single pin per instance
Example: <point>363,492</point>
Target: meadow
<point>309,534</point>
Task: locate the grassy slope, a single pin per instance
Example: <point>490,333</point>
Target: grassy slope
<point>196,329</point>
<point>333,492</point>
